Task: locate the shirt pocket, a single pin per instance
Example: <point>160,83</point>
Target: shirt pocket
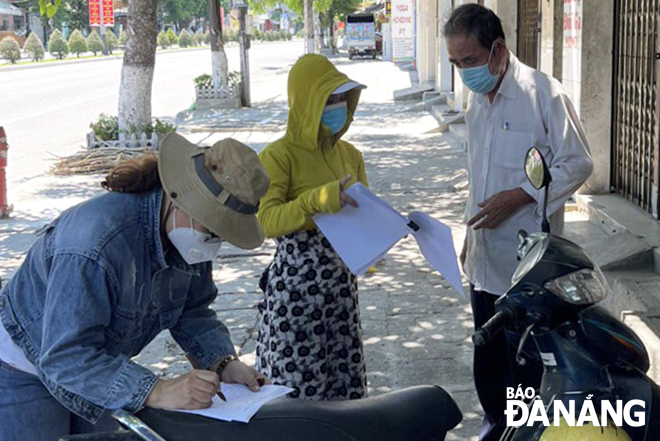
<point>510,148</point>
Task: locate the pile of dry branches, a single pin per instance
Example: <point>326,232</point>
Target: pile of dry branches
<point>96,161</point>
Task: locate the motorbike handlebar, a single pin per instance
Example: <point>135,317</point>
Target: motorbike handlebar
<point>485,333</point>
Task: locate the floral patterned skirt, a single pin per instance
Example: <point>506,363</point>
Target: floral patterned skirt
<point>310,336</point>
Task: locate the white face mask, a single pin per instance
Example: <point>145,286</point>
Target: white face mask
<point>194,246</point>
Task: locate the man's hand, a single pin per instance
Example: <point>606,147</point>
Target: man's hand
<point>499,208</point>
<point>345,199</point>
<point>239,373</point>
<point>194,390</point>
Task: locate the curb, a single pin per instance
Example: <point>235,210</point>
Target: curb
<point>86,60</point>
<point>646,327</point>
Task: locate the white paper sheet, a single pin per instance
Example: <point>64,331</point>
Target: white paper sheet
<point>242,404</point>
<point>437,245</point>
<point>361,236</point>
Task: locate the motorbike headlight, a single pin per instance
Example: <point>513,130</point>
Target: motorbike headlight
<point>584,287</point>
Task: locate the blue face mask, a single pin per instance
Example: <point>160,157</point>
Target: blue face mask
<point>479,79</point>
<point>335,117</point>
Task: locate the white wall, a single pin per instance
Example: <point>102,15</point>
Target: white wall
<point>547,37</point>
<point>595,87</point>
<point>461,93</point>
<point>387,41</point>
<point>507,10</point>
<point>572,70</point>
<point>444,70</point>
<point>426,40</point>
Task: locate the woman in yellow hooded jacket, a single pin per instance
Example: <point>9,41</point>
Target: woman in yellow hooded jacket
<point>310,336</point>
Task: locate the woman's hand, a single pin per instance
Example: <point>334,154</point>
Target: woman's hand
<point>194,390</point>
<point>345,199</point>
<point>239,373</point>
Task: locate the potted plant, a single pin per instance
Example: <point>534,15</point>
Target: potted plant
<point>207,96</point>
<point>105,133</point>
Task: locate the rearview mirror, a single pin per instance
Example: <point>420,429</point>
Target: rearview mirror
<point>536,169</point>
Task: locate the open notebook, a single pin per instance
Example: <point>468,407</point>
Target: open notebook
<point>242,404</point>
<point>362,236</point>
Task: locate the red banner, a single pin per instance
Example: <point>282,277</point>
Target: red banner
<point>95,12</point>
<point>108,13</point>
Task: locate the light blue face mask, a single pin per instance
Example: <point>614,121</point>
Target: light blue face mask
<point>335,117</point>
<point>479,79</point>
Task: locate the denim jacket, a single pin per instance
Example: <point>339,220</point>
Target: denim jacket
<point>94,290</point>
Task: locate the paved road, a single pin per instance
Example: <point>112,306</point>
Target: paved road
<point>48,109</point>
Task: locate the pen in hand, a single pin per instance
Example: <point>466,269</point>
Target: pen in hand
<point>219,393</point>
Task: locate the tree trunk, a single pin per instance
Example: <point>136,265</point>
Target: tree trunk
<point>137,72</point>
<point>322,42</point>
<point>333,41</point>
<point>219,63</point>
<point>317,31</point>
<point>46,32</point>
<point>309,26</point>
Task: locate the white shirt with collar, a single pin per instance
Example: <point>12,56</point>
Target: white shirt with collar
<point>529,109</point>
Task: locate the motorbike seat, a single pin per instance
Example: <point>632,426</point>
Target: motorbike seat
<point>422,413</point>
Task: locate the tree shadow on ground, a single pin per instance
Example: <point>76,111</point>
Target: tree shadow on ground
<point>47,197</point>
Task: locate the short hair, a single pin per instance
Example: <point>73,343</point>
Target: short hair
<point>475,20</point>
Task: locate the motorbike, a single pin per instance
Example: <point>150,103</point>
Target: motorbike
<point>422,413</point>
<point>589,357</point>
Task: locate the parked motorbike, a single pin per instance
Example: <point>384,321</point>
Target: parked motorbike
<point>423,413</point>
<point>587,354</point>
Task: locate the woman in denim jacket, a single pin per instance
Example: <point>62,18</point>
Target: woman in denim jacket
<point>109,274</point>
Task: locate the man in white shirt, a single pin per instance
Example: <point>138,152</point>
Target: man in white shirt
<point>512,107</point>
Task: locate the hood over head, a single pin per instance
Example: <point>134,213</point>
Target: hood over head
<point>311,82</point>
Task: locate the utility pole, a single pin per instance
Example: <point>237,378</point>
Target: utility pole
<point>102,29</point>
<point>309,26</point>
<point>244,42</point>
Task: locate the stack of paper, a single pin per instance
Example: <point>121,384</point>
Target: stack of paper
<point>363,235</point>
<point>242,404</point>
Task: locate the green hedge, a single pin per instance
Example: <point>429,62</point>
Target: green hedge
<point>271,35</point>
<point>34,47</point>
<point>10,50</point>
<point>172,37</point>
<point>185,39</point>
<point>163,41</point>
<point>57,45</point>
<point>77,43</point>
<point>111,41</point>
<point>123,38</point>
<point>95,42</point>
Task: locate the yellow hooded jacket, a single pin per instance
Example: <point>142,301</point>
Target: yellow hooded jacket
<point>306,165</point>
